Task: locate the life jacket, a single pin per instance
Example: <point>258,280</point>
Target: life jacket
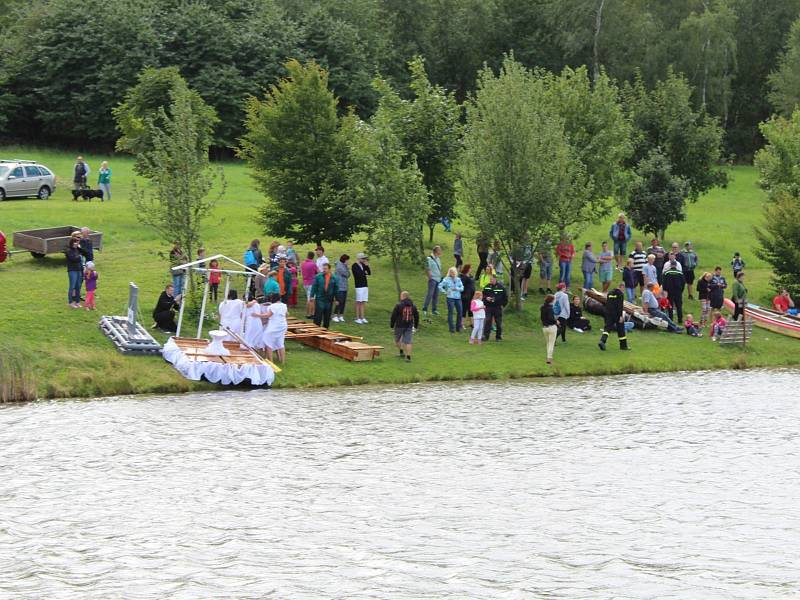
<point>3,250</point>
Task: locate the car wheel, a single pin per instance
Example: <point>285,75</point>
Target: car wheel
<point>44,193</point>
<point>37,255</point>
<point>2,194</point>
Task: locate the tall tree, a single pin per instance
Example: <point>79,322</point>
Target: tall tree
<point>176,200</point>
<point>517,166</point>
<point>295,152</point>
<point>658,196</point>
<point>146,110</point>
<point>779,166</point>
<point>690,139</point>
<point>784,82</point>
<point>382,180</point>
<point>429,128</point>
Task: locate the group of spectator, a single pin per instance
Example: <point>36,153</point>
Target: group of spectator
<point>81,269</point>
<point>80,177</point>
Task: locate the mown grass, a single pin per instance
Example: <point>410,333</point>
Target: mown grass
<point>66,355</point>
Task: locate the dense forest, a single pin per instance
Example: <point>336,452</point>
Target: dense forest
<point>65,64</point>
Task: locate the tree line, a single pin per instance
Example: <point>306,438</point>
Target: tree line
<point>66,64</point>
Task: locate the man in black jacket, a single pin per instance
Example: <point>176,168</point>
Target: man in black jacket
<point>163,313</point>
<point>674,283</point>
<point>494,299</point>
<point>614,318</point>
<point>404,320</point>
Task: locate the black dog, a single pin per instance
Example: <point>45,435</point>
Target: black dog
<point>87,194</point>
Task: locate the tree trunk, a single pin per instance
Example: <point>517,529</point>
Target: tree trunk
<point>430,231</point>
<point>598,23</point>
<point>396,273</point>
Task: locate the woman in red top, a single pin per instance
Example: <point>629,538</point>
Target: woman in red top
<point>565,251</point>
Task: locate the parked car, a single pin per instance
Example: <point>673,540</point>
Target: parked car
<point>25,178</point>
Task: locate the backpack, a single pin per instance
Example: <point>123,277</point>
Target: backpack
<point>556,309</point>
<point>249,257</point>
<point>407,314</point>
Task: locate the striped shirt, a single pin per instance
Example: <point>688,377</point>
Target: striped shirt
<point>639,259</point>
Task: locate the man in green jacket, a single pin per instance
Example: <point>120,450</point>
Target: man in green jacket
<point>323,290</point>
<point>739,293</point>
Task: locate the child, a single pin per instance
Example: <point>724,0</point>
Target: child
<point>718,325</point>
<point>291,256</point>
<point>691,327</point>
<point>214,277</point>
<point>293,271</point>
<point>629,277</point>
<point>90,278</point>
<point>737,264</point>
<point>663,302</point>
<point>478,316</point>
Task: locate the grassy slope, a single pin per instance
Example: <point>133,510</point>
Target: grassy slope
<point>68,355</point>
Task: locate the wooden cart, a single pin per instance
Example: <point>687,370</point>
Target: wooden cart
<point>51,240</point>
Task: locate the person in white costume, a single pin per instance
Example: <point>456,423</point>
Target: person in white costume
<point>275,331</point>
<point>230,314</point>
<point>253,325</point>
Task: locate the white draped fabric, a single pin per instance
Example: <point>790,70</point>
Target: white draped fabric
<point>226,374</point>
<point>230,316</point>
<point>253,326</point>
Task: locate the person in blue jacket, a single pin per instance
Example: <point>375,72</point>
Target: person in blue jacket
<point>620,233</point>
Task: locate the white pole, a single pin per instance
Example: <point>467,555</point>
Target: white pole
<point>247,288</point>
<point>227,286</point>
<point>180,317</point>
<point>202,309</point>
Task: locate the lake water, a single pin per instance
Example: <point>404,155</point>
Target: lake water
<point>655,486</point>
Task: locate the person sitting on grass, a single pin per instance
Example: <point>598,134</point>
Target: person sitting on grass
<point>651,309</point>
<point>164,312</point>
<point>691,327</point>
<point>404,321</point>
<point>783,303</point>
<point>576,319</point>
<point>718,324</point>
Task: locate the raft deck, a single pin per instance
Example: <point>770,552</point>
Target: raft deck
<point>348,347</point>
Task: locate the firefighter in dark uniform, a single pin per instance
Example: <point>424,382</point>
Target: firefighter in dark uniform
<point>615,320</point>
<point>674,283</point>
<point>494,299</point>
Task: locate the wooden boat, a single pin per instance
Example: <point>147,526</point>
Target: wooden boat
<point>770,319</point>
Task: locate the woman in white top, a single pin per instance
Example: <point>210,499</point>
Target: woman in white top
<point>275,331</point>
<point>230,314</point>
<point>253,325</point>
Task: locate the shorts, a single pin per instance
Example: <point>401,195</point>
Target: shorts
<point>362,295</point>
<point>688,275</point>
<point>403,334</point>
<point>307,288</point>
<point>639,278</point>
<point>526,274</point>
<point>606,276</point>
<point>620,248</point>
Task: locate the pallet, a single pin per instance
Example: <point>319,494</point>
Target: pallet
<point>194,349</point>
<point>737,332</point>
<point>140,343</point>
<point>343,345</point>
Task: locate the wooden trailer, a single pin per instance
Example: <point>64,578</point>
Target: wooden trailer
<point>51,240</point>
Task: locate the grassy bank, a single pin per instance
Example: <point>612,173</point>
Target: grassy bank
<point>65,354</point>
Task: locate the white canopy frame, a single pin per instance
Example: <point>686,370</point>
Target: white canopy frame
<point>193,266</point>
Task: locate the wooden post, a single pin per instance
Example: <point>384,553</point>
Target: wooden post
<point>202,310</point>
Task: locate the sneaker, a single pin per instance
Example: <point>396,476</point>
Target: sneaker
<point>341,319</point>
<point>408,358</point>
<point>541,291</point>
<point>549,362</point>
<point>549,291</point>
<point>402,353</point>
<point>424,313</point>
<point>578,329</point>
<point>602,346</point>
<point>362,321</point>
<point>436,313</point>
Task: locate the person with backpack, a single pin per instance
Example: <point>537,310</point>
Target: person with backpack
<point>404,320</point>
<point>252,259</point>
<point>494,299</point>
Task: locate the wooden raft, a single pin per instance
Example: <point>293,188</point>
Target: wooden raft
<point>194,348</point>
<point>349,347</point>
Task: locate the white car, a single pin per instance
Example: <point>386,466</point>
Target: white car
<point>25,178</point>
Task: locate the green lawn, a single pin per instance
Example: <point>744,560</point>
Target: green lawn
<point>66,354</point>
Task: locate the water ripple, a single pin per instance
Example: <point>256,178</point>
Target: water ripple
<point>646,486</point>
